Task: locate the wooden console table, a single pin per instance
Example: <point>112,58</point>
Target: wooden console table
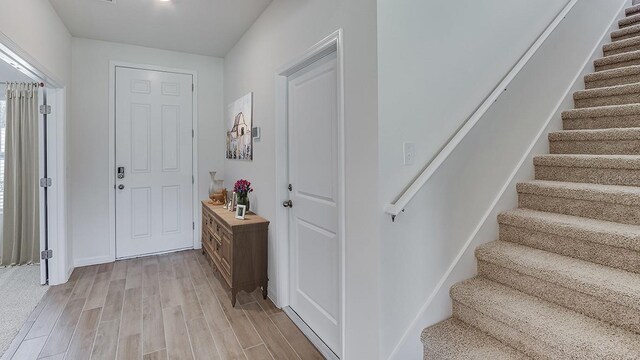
<point>237,248</point>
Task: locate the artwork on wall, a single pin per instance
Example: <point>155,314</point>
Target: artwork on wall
<point>239,139</point>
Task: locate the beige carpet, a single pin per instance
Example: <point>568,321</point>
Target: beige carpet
<point>20,292</point>
<point>563,279</point>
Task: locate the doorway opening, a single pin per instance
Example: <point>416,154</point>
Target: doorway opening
<point>31,191</point>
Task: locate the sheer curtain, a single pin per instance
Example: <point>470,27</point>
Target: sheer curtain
<point>21,204</point>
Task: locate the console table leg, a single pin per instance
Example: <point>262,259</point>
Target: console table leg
<point>233,298</point>
<point>264,292</point>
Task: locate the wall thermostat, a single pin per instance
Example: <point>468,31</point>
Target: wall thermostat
<point>255,132</point>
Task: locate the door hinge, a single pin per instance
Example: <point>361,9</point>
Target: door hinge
<point>193,179</point>
<point>193,87</point>
<point>193,133</point>
<point>46,182</point>
<point>45,109</point>
<point>46,254</point>
<point>193,224</point>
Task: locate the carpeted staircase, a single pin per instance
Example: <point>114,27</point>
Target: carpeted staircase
<point>563,280</point>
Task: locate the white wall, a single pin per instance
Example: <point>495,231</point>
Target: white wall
<point>88,134</point>
<point>284,31</point>
<point>424,97</point>
<point>36,28</point>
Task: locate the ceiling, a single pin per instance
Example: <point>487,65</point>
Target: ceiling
<point>206,27</point>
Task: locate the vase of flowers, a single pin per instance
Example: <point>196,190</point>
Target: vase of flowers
<point>242,188</point>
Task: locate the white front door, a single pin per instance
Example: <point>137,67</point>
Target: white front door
<point>313,174</point>
<point>153,162</point>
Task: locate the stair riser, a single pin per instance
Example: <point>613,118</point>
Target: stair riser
<point>602,122</point>
<point>625,214</point>
<point>591,306</point>
<point>623,99</point>
<point>622,50</point>
<point>516,338</point>
<point>611,256</point>
<point>628,177</point>
<point>594,147</point>
<point>621,80</point>
<point>617,65</point>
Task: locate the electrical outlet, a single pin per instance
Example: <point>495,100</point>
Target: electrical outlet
<point>409,150</point>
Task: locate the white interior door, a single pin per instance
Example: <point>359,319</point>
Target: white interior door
<point>313,174</point>
<point>154,151</point>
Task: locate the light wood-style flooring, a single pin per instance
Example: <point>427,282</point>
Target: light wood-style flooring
<point>170,306</point>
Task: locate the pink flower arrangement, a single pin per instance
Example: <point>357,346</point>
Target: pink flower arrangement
<point>242,188</point>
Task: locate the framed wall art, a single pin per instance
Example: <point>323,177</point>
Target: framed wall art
<point>239,124</point>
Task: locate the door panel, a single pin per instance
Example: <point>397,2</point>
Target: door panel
<point>313,173</point>
<point>170,138</point>
<point>154,145</point>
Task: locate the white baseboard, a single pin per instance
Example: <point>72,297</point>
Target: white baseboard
<point>92,261</point>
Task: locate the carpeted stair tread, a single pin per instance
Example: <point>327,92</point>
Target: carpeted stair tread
<point>596,231</point>
<point>572,166</point>
<point>567,332</point>
<point>602,111</point>
<point>617,58</point>
<point>609,141</point>
<point>610,284</point>
<point>618,74</point>
<point>625,195</point>
<point>630,31</point>
<point>629,20</point>
<point>602,117</point>
<point>452,339</point>
<point>632,10</point>
<point>596,134</point>
<point>589,161</point>
<point>608,95</point>
<point>608,91</point>
<point>621,47</point>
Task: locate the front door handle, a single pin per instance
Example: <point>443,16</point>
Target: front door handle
<point>287,204</point>
<point>121,187</point>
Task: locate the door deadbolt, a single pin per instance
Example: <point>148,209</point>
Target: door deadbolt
<point>121,172</point>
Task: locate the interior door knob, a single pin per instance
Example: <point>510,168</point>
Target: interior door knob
<point>287,204</point>
<point>121,187</point>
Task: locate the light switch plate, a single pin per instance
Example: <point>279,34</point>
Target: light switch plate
<point>409,151</point>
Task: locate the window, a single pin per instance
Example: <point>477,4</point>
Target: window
<point>3,122</point>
